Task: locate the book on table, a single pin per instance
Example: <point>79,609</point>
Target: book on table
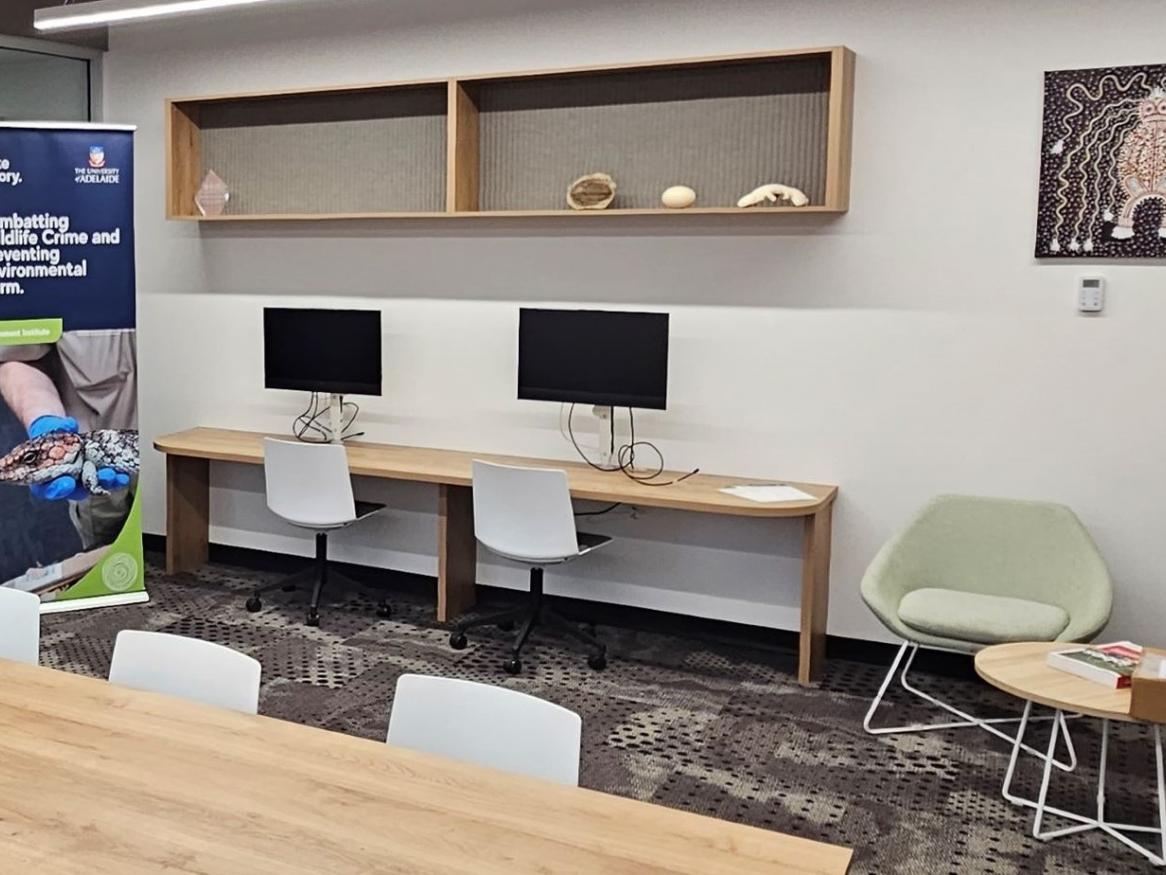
<point>1111,665</point>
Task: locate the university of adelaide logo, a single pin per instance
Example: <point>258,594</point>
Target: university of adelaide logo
<point>97,173</point>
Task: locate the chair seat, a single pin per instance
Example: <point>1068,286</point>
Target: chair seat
<point>362,509</point>
<point>587,542</point>
<point>982,619</point>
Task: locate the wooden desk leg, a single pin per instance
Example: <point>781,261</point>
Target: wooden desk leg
<point>188,500</point>
<point>815,594</point>
<point>457,552</point>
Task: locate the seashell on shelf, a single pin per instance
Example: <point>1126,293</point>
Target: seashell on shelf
<point>595,191</point>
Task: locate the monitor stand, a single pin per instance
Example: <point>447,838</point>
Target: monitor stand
<point>606,416</point>
<point>336,418</point>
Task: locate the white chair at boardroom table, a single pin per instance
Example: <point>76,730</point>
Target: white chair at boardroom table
<point>488,726</point>
<point>19,625</point>
<point>309,486</point>
<point>525,515</point>
<point>189,668</point>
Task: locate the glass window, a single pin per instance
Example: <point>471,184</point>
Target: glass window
<point>37,87</point>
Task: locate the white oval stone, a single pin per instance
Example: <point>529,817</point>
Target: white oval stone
<point>678,197</point>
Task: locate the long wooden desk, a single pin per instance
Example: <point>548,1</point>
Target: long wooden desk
<point>189,454</point>
<point>102,779</point>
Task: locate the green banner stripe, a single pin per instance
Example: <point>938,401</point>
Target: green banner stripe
<point>26,331</point>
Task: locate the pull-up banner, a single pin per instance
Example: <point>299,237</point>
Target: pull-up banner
<point>70,516</point>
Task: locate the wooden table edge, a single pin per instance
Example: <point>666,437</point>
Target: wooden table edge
<point>147,705</point>
<point>175,444</point>
<point>1048,701</point>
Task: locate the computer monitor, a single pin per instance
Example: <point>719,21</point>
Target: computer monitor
<point>601,357</point>
<point>332,351</point>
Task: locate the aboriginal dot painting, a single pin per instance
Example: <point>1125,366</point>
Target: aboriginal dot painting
<point>1103,164</point>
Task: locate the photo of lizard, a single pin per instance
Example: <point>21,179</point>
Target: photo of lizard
<point>81,456</point>
<point>69,454</point>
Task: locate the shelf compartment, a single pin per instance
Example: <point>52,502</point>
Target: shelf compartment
<point>722,129</point>
<point>337,152</point>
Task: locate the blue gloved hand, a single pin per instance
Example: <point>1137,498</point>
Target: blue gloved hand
<point>64,488</point>
<point>42,425</point>
<point>112,479</point>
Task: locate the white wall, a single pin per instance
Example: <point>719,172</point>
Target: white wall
<point>912,347</point>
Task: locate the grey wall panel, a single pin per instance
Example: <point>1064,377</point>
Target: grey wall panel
<point>723,131</point>
<point>359,153</point>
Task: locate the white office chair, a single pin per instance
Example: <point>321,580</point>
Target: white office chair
<point>19,625</point>
<point>308,485</point>
<point>186,667</point>
<point>525,514</point>
<point>489,726</point>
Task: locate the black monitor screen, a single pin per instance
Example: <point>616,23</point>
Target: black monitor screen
<point>593,357</point>
<point>336,351</point>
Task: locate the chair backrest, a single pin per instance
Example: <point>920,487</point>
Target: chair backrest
<point>186,667</point>
<point>524,513</point>
<point>19,625</point>
<point>486,725</point>
<point>308,484</point>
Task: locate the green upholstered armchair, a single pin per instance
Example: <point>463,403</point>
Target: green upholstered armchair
<point>968,572</point>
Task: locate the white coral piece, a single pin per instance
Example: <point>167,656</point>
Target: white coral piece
<point>772,192</point>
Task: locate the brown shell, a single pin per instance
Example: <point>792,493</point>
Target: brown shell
<point>595,191</point>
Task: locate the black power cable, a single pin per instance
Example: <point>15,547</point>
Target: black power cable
<point>605,510</point>
<point>308,422</point>
<point>626,454</point>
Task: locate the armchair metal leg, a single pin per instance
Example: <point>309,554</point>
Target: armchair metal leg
<point>966,719</point>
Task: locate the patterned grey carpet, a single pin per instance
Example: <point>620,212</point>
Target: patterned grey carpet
<point>708,727</point>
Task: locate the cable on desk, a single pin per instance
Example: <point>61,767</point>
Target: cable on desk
<point>626,454</point>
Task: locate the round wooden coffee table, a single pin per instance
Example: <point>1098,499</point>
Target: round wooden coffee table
<point>1021,670</point>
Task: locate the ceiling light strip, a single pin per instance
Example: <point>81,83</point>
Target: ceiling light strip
<point>103,12</point>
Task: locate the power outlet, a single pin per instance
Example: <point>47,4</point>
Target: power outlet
<point>1090,294</point>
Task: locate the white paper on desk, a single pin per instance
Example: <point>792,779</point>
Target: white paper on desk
<point>769,493</point>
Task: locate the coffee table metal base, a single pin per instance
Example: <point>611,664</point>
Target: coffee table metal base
<point>1084,823</point>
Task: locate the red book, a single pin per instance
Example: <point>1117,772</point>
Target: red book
<point>1112,665</point>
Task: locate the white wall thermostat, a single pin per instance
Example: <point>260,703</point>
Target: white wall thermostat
<point>1090,294</point>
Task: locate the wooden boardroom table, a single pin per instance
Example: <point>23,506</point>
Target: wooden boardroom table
<point>102,779</point>
<point>189,454</point>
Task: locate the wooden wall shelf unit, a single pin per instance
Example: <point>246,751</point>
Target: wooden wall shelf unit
<point>509,144</point>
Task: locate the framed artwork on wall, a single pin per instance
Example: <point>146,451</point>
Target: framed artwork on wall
<point>1103,164</point>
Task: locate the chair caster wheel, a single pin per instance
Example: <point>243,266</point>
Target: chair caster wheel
<point>457,640</point>
<point>384,610</point>
<point>597,661</point>
<point>508,626</point>
<point>254,604</point>
<point>512,666</point>
<point>313,618</point>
